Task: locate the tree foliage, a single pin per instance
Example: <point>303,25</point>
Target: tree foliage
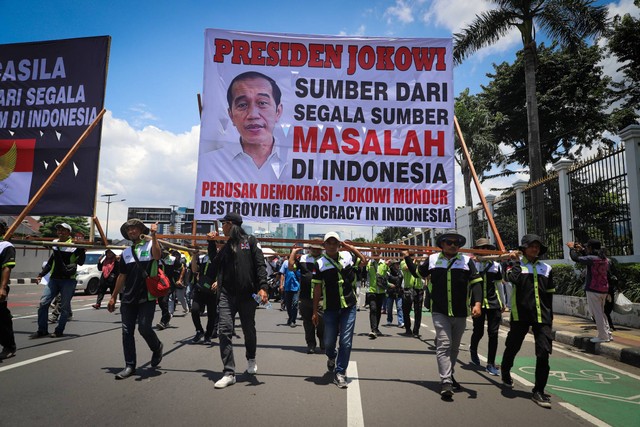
<point>391,234</point>
<point>78,225</point>
<point>573,94</point>
<point>624,43</point>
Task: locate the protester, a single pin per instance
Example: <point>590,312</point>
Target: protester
<point>531,307</point>
<point>241,273</point>
<point>63,264</point>
<point>108,265</point>
<point>596,284</point>
<point>177,283</point>
<point>334,282</point>
<point>290,288</point>
<point>453,276</point>
<point>374,297</point>
<point>205,294</point>
<point>413,297</point>
<point>394,293</point>
<point>492,308</point>
<point>7,262</point>
<point>307,266</point>
<point>168,263</point>
<point>137,305</point>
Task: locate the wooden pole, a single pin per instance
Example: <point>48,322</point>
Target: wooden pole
<point>53,176</point>
<point>47,243</point>
<point>96,221</point>
<point>485,206</point>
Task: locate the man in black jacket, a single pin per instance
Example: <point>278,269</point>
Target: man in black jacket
<point>241,273</point>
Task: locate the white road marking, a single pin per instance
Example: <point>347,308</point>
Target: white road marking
<point>34,360</point>
<point>355,417</point>
<point>584,415</point>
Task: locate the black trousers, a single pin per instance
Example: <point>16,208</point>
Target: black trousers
<point>163,303</point>
<point>310,331</point>
<point>103,287</point>
<point>228,306</point>
<point>200,301</point>
<point>375,302</point>
<point>7,339</point>
<point>543,339</point>
<point>493,316</point>
<point>412,298</point>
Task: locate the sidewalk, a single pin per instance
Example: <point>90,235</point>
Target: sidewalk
<point>577,332</point>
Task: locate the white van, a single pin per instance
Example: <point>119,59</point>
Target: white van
<point>88,275</point>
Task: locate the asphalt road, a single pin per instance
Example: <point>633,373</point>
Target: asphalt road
<point>393,379</point>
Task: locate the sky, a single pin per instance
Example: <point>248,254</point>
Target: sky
<point>151,130</point>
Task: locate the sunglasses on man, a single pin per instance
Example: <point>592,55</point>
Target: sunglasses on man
<point>450,242</point>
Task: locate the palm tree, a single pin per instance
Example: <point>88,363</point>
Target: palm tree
<point>568,22</point>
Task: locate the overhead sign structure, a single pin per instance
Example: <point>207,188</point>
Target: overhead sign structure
<point>320,129</point>
<point>50,93</point>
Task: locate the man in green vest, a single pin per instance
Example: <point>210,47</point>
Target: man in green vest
<point>375,294</point>
<point>413,297</point>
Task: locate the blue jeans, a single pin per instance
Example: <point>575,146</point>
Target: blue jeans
<point>344,320</point>
<point>398,302</point>
<point>143,315</point>
<point>291,303</point>
<point>66,288</point>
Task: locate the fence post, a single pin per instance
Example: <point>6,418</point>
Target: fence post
<point>566,218</point>
<point>491,198</point>
<point>631,139</point>
<point>519,186</point>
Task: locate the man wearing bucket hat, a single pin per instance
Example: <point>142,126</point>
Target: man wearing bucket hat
<point>62,264</point>
<point>335,281</point>
<point>137,305</point>
<point>307,264</point>
<point>533,291</point>
<point>492,308</point>
<point>453,275</point>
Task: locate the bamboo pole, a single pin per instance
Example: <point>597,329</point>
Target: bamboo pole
<point>48,243</point>
<point>485,206</point>
<point>53,176</point>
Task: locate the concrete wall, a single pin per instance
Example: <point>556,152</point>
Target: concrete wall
<point>577,306</point>
<point>29,261</point>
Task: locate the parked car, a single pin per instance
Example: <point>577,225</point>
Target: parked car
<point>88,275</point>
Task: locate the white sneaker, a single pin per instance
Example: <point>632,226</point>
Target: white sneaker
<point>252,367</point>
<point>225,381</point>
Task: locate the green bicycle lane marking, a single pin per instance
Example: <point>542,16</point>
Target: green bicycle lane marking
<point>607,395</point>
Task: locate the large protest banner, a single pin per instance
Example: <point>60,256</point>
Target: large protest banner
<point>319,129</point>
<point>50,92</point>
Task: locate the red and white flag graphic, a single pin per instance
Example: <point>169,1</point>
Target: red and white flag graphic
<point>16,170</point>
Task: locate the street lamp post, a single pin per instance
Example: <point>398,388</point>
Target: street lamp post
<point>108,202</point>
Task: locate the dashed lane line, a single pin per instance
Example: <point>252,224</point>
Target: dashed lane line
<point>34,360</point>
<point>355,417</point>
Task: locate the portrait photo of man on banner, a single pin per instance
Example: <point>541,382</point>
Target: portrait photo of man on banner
<point>321,129</point>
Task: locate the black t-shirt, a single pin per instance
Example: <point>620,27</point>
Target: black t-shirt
<point>135,288</point>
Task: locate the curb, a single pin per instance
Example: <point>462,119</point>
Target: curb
<point>627,355</point>
<point>27,281</point>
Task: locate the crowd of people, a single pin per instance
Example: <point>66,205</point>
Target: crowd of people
<point>320,283</point>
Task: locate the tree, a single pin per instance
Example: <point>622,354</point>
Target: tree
<point>78,225</point>
<point>391,234</point>
<point>624,42</point>
<point>575,95</point>
<point>567,21</point>
<point>474,120</point>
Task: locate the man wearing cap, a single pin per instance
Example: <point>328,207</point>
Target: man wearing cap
<point>137,305</point>
<point>308,265</point>
<point>531,307</point>
<point>453,276</point>
<point>63,264</point>
<point>335,281</point>
<point>492,308</point>
<point>241,273</point>
<point>7,262</point>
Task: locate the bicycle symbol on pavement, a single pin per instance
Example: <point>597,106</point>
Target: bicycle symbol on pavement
<point>582,375</point>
